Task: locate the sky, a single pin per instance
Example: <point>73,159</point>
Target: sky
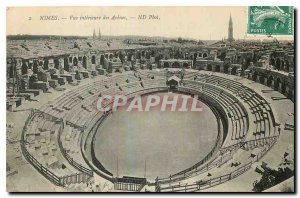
<point>201,23</point>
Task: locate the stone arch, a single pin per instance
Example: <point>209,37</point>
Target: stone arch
<point>205,55</point>
<point>222,56</point>
<point>129,56</point>
<point>147,55</point>
<point>270,81</point>
<point>24,68</point>
<point>150,67</point>
<point>152,53</point>
<point>30,65</point>
<point>239,59</point>
<point>138,55</point>
<point>32,79</point>
<point>226,67</point>
<point>272,61</point>
<point>262,80</point>
<point>35,67</point>
<point>115,55</point>
<point>56,63</point>
<point>248,61</point>
<point>176,54</point>
<point>110,56</point>
<point>283,87</point>
<point>289,93</point>
<point>11,71</point>
<point>235,58</point>
<point>186,56</point>
<point>46,64</point>
<point>195,58</point>
<point>93,59</point>
<point>254,76</point>
<point>84,63</point>
<point>66,64</point>
<point>282,65</point>
<point>217,68</point>
<point>287,65</point>
<point>209,67</point>
<point>185,65</point>
<point>243,60</point>
<point>277,64</point>
<point>75,61</point>
<point>175,65</point>
<point>233,71</point>
<point>102,59</point>
<point>277,84</point>
<point>166,65</point>
<point>157,58</point>
<point>120,56</point>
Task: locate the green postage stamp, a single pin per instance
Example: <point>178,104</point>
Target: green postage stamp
<point>270,20</point>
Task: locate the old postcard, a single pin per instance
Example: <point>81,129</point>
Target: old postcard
<point>150,99</point>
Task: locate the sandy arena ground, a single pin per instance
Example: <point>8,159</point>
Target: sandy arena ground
<point>183,139</point>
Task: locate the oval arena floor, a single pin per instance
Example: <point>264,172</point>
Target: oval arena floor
<point>131,138</point>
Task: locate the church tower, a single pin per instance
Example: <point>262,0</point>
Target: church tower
<point>94,34</point>
<point>230,30</point>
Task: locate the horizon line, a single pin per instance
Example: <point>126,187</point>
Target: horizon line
<point>251,37</point>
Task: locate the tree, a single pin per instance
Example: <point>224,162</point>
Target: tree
<point>179,40</point>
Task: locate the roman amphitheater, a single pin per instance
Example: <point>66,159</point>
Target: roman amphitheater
<point>57,140</point>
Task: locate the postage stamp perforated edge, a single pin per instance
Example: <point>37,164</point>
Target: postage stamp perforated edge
<point>253,30</point>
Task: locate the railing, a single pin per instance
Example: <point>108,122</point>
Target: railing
<point>45,115</point>
<point>64,152</point>
<point>226,155</point>
<point>204,184</point>
<point>141,187</point>
<point>250,144</point>
<point>264,103</point>
<point>216,163</point>
<point>70,159</point>
<point>59,181</point>
<point>35,163</point>
<point>95,161</point>
<point>75,179</point>
<point>77,165</point>
<point>38,166</point>
<point>81,128</point>
<point>129,183</point>
<point>86,146</point>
